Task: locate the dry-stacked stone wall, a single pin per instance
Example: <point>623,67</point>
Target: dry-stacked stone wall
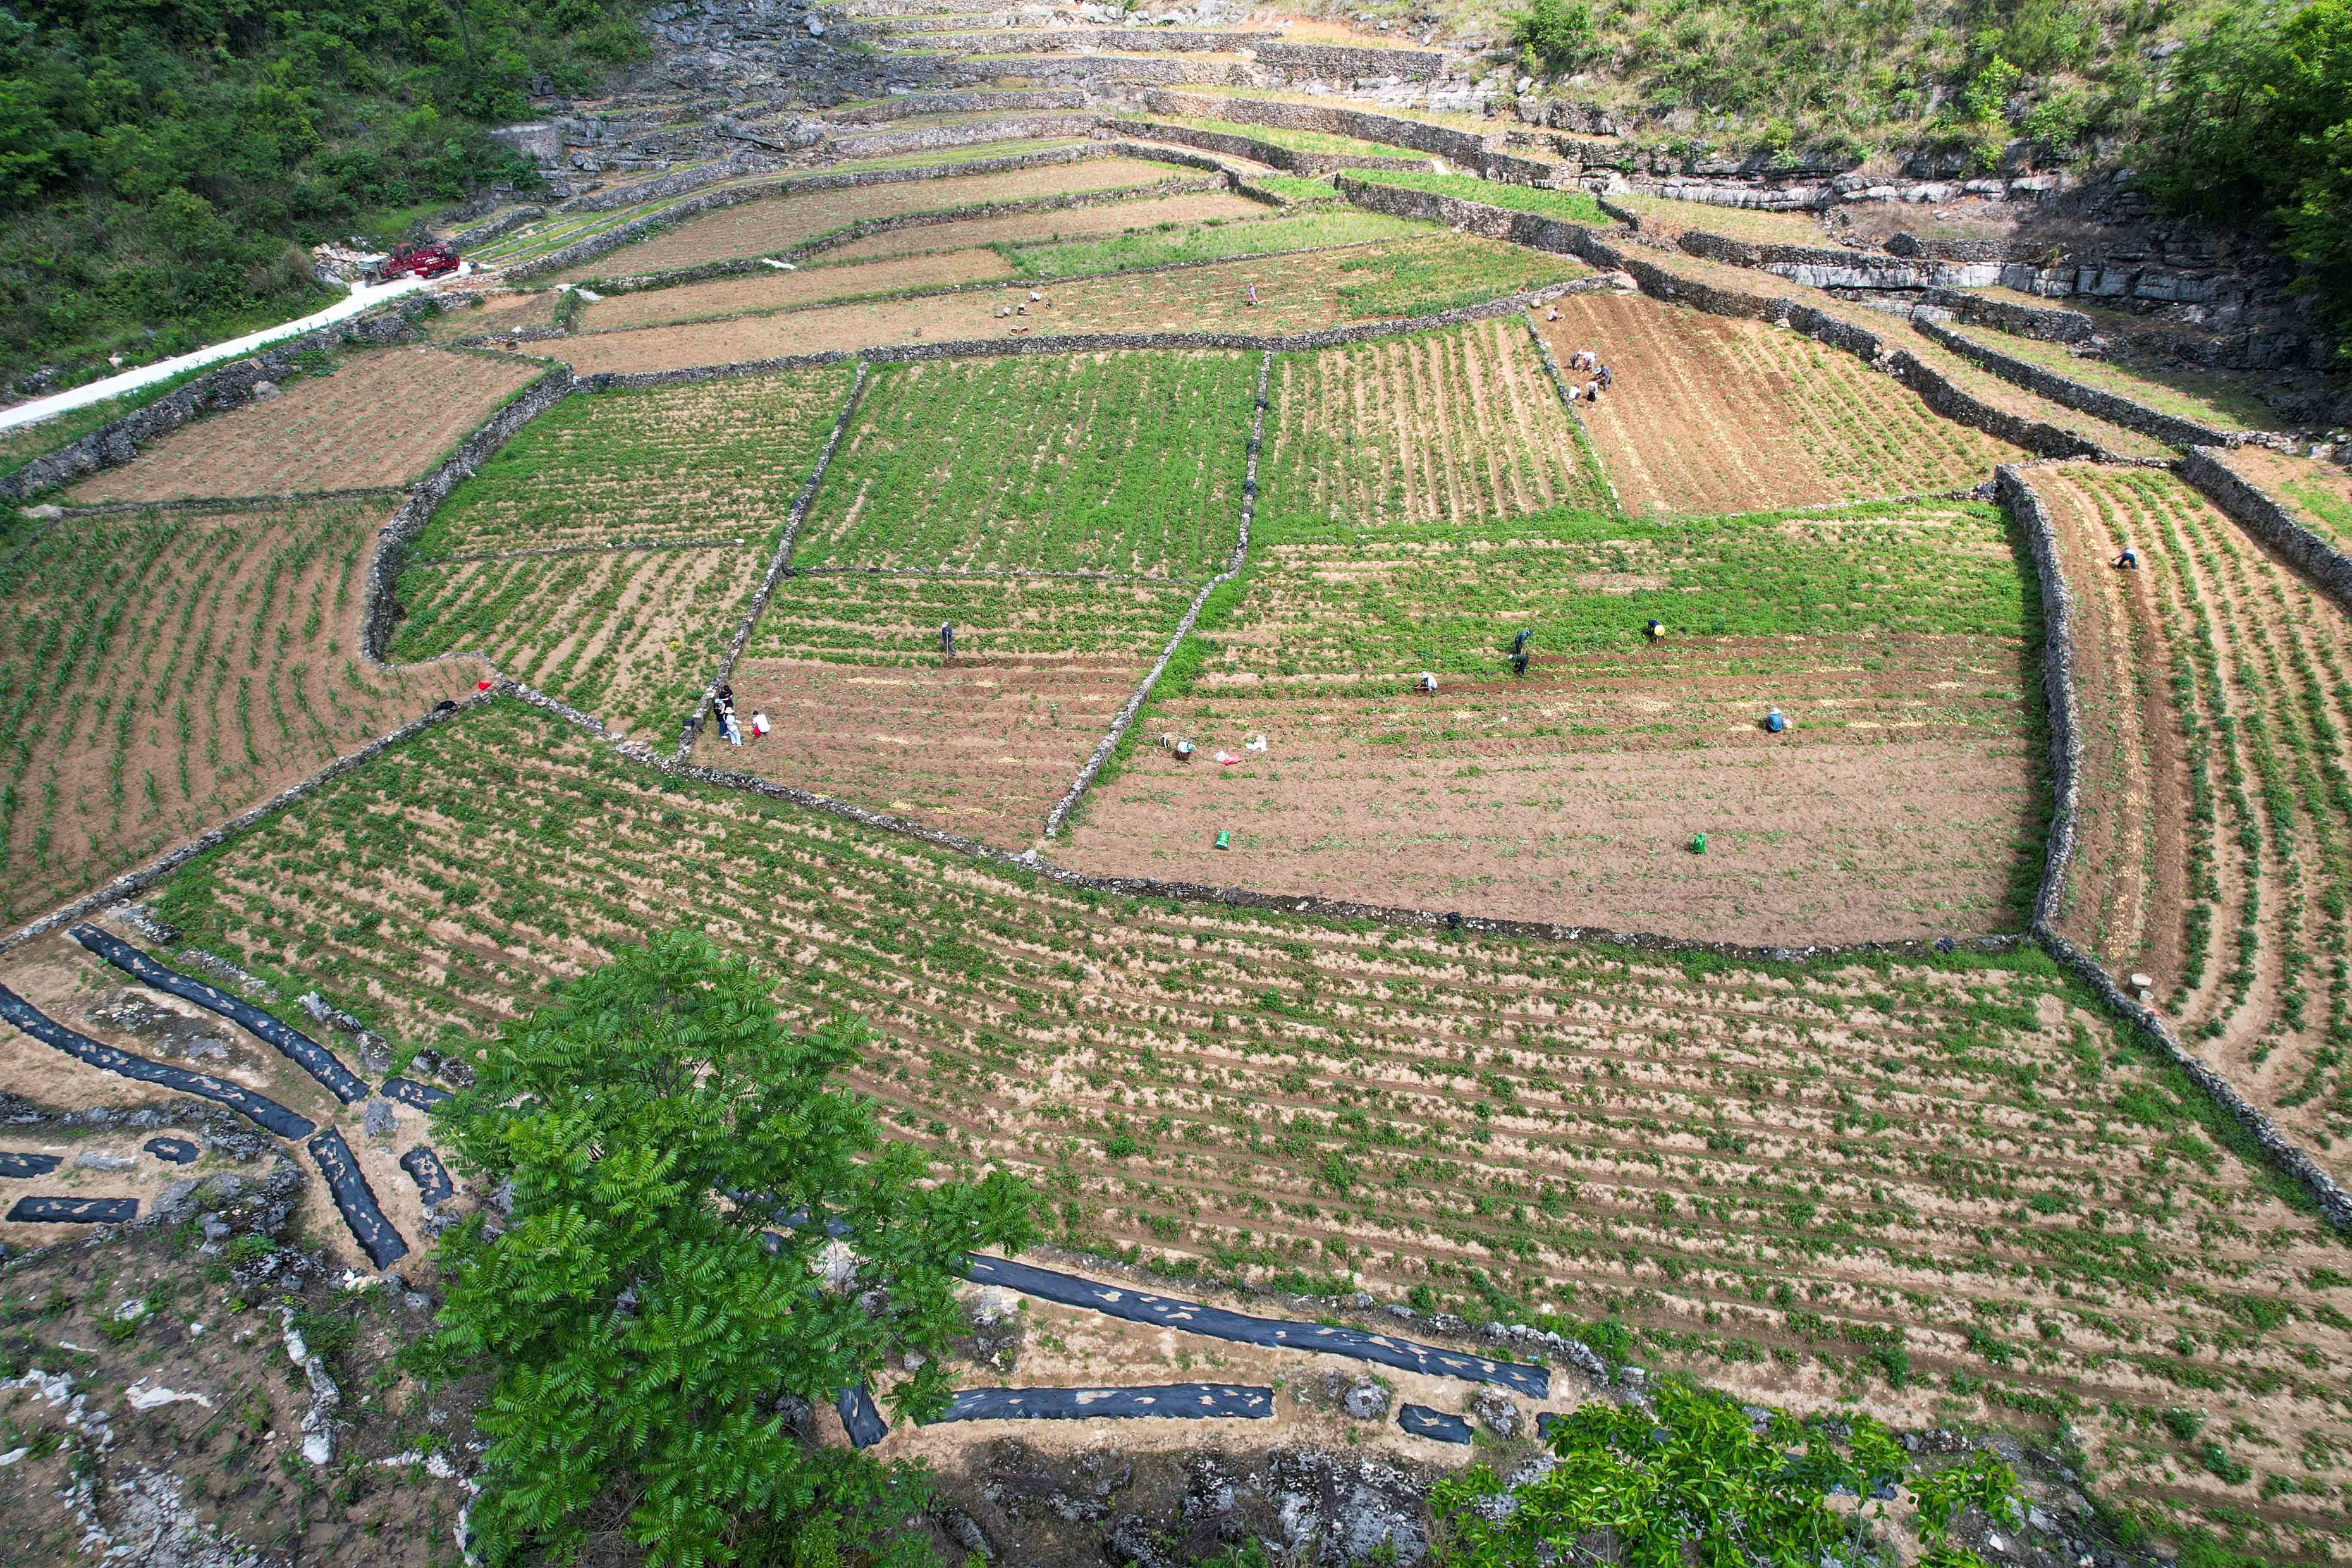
<point>2309,553</point>
<point>2047,323</point>
<point>932,138</point>
<point>1291,160</point>
<point>2047,383</point>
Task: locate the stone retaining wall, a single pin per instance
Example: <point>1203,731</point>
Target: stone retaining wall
<point>2048,323</point>
<point>1290,160</point>
<point>954,103</point>
<point>1108,70</point>
<point>1342,61</point>
<point>1554,234</point>
<point>637,229</point>
<point>2107,406</point>
<point>732,167</point>
<point>931,138</point>
<point>1093,40</point>
<point>482,234</point>
<point>1331,119</point>
<point>392,540</point>
<point>2316,558</point>
<point>214,392</point>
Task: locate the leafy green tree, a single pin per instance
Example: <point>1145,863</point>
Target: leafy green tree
<point>1693,1480</point>
<point>1559,32</point>
<point>2256,125</point>
<point>638,1328</point>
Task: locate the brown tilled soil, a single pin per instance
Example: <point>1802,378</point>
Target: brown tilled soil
<point>1892,806</point>
<point>226,672</point>
<point>498,315</point>
<point>767,291</point>
<point>383,418</point>
<point>1060,223</point>
<point>768,224</point>
<point>2125,885</point>
<point>1295,293</point>
<point>984,747</point>
<point>1708,414</point>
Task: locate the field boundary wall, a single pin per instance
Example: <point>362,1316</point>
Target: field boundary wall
<point>2267,520</point>
<point>1561,238</point>
<point>2092,400</point>
<point>2049,323</point>
<point>1289,160</point>
<point>636,228</point>
<point>643,282</point>
<point>2015,491</point>
<point>779,566</point>
<point>978,348</point>
<point>378,609</point>
<point>1234,565</point>
<point>936,138</point>
<point>278,503</point>
<point>1439,141</point>
<point>231,387</point>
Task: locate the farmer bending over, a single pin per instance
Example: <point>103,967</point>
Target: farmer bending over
<point>2129,560</point>
<point>1654,630</point>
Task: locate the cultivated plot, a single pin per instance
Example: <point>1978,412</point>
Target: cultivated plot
<point>2221,400</point>
<point>2248,667</point>
<point>2318,494</point>
<point>813,285</point>
<point>1294,294</point>
<point>1952,1188</point>
<point>606,554</point>
<point>1711,414</point>
<point>160,670</point>
<point>766,225</point>
<point>1454,426</point>
<point>1668,218</point>
<point>380,417</point>
<point>1059,513</point>
<point>1901,800</point>
<point>1103,217</point>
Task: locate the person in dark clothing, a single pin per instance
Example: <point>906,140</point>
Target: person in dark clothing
<point>1603,376</point>
<point>947,640</point>
<point>2129,560</point>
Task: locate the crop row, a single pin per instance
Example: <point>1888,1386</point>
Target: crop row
<point>1950,1182</point>
<point>1456,426</point>
<point>716,458</point>
<point>1129,463</point>
<point>859,617</point>
<point>160,670</point>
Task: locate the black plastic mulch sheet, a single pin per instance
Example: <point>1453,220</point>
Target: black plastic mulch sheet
<point>432,1178</point>
<point>1167,1401</point>
<point>1172,1312</point>
<point>1421,1421</point>
<point>29,1165</point>
<point>356,1199</point>
<point>263,1110</point>
<point>859,1417</point>
<point>74,1211</point>
<point>423,1096</point>
<point>178,1151</point>
<point>291,1043</point>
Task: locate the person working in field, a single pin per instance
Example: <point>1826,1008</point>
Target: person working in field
<point>1654,630</point>
<point>947,639</point>
<point>2129,560</point>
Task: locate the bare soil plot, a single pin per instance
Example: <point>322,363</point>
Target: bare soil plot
<point>499,315</point>
<point>1713,414</point>
<point>784,290</point>
<point>1902,801</point>
<point>2250,668</point>
<point>769,224</point>
<point>1129,463</point>
<point>1762,1169</point>
<point>162,670</point>
<point>2319,494</point>
<point>382,417</point>
<point>983,746</point>
<point>710,460</point>
<point>2224,400</point>
<point>1457,427</point>
<point>1668,218</point>
<point>1295,293</point>
<point>1069,223</point>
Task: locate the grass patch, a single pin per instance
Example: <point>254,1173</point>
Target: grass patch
<point>1569,206</point>
<point>1211,241</point>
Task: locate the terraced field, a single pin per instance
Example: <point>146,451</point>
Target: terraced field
<point>1067,223</point>
<point>608,552</point>
<point>1711,414</point>
<point>1902,800</point>
<point>2217,399</point>
<point>2318,494</point>
<point>2230,769</point>
<point>161,670</point>
<point>380,417</point>
<point>1950,1188</point>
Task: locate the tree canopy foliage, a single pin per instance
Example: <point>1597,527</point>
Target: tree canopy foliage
<point>638,1328</point>
<point>2257,123</point>
<point>161,160</point>
<point>1693,1479</point>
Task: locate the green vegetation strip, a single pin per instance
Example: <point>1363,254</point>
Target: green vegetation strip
<point>1569,206</point>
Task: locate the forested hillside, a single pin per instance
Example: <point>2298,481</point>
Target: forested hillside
<point>162,162</point>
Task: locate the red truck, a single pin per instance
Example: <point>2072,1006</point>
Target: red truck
<point>430,259</point>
